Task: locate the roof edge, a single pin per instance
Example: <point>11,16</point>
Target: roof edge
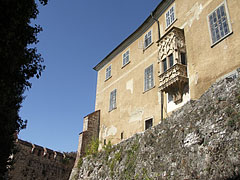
<point>158,11</point>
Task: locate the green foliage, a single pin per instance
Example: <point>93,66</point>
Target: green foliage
<point>145,174</point>
<point>107,149</point>
<point>234,121</point>
<point>238,99</point>
<point>80,162</point>
<point>19,63</point>
<point>237,95</point>
<point>92,148</point>
<point>116,159</point>
<point>130,161</point>
<point>118,156</point>
<point>229,111</point>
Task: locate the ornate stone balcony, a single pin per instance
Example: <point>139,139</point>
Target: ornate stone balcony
<point>173,81</point>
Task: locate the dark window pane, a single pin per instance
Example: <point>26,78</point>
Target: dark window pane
<point>170,60</point>
<point>183,58</point>
<point>148,124</point>
<point>211,20</point>
<point>214,17</point>
<point>222,10</point>
<point>226,30</point>
<point>170,98</point>
<point>164,65</point>
<point>218,14</point>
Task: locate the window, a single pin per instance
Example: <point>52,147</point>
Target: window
<point>164,65</point>
<point>148,124</point>
<point>148,39</point>
<point>108,72</point>
<point>104,142</point>
<point>121,135</point>
<point>183,58</point>
<point>219,24</point>
<point>126,58</point>
<point>39,153</point>
<point>170,98</point>
<point>85,124</point>
<point>170,57</point>
<point>170,16</point>
<point>113,100</point>
<point>148,79</point>
<point>167,63</point>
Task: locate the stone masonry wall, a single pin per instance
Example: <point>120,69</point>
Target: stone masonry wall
<point>33,162</point>
<point>91,124</point>
<point>90,131</point>
<point>199,141</point>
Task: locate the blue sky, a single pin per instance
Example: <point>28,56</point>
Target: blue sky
<point>77,34</point>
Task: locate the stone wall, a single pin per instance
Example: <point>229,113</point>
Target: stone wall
<point>33,162</point>
<point>199,141</point>
<point>90,132</point>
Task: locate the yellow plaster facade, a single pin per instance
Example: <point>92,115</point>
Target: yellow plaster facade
<point>206,63</point>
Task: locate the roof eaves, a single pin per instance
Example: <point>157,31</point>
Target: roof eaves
<point>158,11</point>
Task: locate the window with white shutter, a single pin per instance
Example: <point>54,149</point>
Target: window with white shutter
<point>108,72</point>
<point>125,58</point>
<point>113,95</point>
<point>170,16</point>
<point>148,78</point>
<point>148,39</point>
<point>219,25</point>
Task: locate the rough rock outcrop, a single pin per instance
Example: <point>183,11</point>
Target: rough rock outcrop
<point>199,141</point>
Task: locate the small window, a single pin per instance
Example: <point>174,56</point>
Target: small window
<point>85,124</point>
<point>183,59</point>
<point>148,78</point>
<point>113,100</point>
<point>164,65</point>
<point>219,24</point>
<point>108,72</point>
<point>39,153</point>
<point>104,142</point>
<point>170,57</point>
<point>148,39</point>
<point>126,58</point>
<point>148,124</point>
<point>121,135</point>
<point>170,16</point>
<point>170,98</point>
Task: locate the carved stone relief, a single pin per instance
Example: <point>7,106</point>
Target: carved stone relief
<point>174,79</point>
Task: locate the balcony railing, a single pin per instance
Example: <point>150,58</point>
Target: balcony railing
<point>174,80</point>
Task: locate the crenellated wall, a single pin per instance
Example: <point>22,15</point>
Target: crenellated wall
<point>36,162</point>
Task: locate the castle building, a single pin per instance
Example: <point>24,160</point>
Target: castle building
<point>174,56</point>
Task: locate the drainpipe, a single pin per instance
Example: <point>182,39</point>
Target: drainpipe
<point>162,104</point>
<point>157,24</point>
<point>159,35</point>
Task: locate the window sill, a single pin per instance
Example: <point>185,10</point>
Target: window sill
<point>148,89</point>
<point>221,39</point>
<point>145,48</point>
<point>170,25</point>
<point>107,78</point>
<point>112,109</point>
<point>125,64</point>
